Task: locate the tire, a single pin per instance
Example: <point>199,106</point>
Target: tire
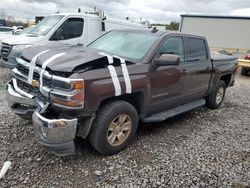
<point>243,71</point>
<point>114,127</point>
<point>214,100</point>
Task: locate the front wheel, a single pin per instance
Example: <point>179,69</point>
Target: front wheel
<point>114,127</point>
<point>215,99</point>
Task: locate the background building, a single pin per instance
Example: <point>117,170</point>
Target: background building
<point>222,32</point>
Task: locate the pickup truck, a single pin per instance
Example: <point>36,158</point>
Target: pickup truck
<point>101,91</point>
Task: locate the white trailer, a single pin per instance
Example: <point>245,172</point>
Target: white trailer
<point>222,32</point>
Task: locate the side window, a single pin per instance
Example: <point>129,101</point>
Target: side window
<point>173,45</point>
<point>196,49</point>
<point>71,28</point>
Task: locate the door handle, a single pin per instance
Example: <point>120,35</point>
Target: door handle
<point>184,71</point>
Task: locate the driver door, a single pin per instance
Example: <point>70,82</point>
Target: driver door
<point>70,32</point>
<point>168,83</point>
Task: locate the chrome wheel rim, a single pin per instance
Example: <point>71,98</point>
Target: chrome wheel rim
<point>119,130</point>
<point>219,95</point>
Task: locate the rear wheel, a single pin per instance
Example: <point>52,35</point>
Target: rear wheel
<point>215,99</point>
<point>114,127</point>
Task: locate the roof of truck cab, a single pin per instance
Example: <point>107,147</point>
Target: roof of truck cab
<point>150,31</point>
<point>145,31</point>
<point>159,32</point>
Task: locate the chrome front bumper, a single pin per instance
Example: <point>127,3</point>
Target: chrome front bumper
<point>19,104</point>
<point>56,134</point>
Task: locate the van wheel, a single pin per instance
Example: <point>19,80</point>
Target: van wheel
<point>215,99</point>
<point>114,127</point>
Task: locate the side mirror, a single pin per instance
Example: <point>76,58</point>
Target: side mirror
<point>167,60</point>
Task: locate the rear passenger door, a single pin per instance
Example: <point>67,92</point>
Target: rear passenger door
<point>198,67</point>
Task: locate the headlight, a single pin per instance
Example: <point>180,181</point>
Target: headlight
<point>68,93</point>
<point>21,47</point>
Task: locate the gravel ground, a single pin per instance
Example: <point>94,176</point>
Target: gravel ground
<point>202,148</point>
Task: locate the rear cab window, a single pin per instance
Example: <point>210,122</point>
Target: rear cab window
<point>197,50</point>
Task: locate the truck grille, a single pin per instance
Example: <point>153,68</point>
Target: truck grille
<point>28,88</point>
<point>5,51</point>
<point>46,82</point>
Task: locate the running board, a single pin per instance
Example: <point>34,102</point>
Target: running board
<point>162,116</point>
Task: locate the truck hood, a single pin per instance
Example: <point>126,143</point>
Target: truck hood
<point>22,39</point>
<point>5,36</point>
<point>76,58</point>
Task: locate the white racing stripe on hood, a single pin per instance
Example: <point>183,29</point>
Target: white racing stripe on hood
<point>110,58</point>
<point>125,74</point>
<point>48,61</point>
<point>115,80</point>
<point>45,64</point>
<point>113,74</point>
<point>32,66</point>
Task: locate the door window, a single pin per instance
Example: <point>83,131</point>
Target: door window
<point>71,28</point>
<point>196,49</point>
<point>173,45</point>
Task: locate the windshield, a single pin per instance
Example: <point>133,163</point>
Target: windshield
<point>128,44</point>
<point>46,25</point>
<point>26,30</point>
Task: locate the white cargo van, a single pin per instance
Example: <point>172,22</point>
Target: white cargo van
<point>67,28</point>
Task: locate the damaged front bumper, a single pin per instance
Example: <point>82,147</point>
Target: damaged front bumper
<point>21,103</point>
<point>56,134</point>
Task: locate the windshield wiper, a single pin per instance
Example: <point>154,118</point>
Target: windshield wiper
<point>32,35</point>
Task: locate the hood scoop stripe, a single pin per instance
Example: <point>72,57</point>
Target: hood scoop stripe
<point>48,61</point>
<point>32,66</point>
<point>114,76</point>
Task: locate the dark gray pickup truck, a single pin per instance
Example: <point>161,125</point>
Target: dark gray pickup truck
<point>101,91</point>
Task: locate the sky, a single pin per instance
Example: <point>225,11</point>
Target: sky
<point>157,11</point>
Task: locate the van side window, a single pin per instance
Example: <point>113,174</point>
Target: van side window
<point>196,49</point>
<point>71,28</point>
<point>173,45</point>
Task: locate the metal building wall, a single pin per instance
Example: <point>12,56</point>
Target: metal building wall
<point>220,32</point>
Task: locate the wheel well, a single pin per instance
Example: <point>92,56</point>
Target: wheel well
<point>226,78</point>
<point>136,99</point>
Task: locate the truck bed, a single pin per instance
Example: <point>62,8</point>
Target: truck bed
<point>223,57</point>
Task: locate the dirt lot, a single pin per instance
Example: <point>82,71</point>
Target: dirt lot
<point>202,148</point>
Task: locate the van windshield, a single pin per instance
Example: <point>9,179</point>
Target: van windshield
<point>46,25</point>
<point>129,44</point>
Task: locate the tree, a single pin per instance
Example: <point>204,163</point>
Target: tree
<point>174,25</point>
